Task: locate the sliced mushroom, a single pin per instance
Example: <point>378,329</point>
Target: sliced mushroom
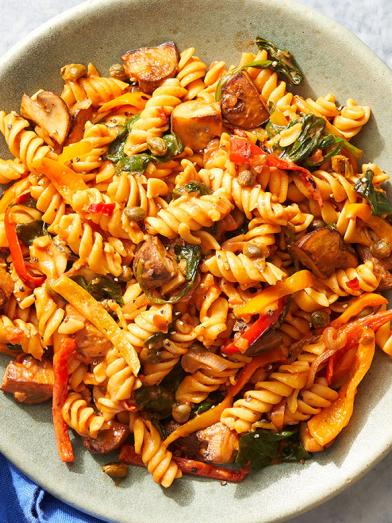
<point>79,120</point>
<point>107,440</point>
<point>218,443</point>
<point>150,66</point>
<point>242,105</point>
<point>91,343</point>
<point>196,122</point>
<point>153,265</point>
<point>49,112</point>
<point>323,251</point>
<point>29,380</point>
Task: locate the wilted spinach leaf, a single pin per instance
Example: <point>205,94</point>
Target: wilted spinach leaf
<point>27,232</point>
<point>116,149</point>
<point>282,61</point>
<point>308,141</point>
<point>134,164</point>
<point>265,447</point>
<point>101,288</point>
<point>378,200</point>
<point>190,187</point>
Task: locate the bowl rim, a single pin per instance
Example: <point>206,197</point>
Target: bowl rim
<point>359,469</point>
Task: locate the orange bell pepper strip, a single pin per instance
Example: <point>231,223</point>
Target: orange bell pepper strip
<point>75,150</point>
<point>327,425</point>
<point>298,281</point>
<point>137,100</point>
<point>12,193</point>
<point>355,308</point>
<point>64,348</point>
<point>213,415</point>
<point>65,180</point>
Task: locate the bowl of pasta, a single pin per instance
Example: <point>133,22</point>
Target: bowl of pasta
<point>196,256</point>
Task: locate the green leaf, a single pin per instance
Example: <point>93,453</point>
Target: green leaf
<point>116,148</point>
<point>135,164</point>
<point>330,145</point>
<point>308,141</point>
<point>191,254</point>
<point>191,187</point>
<point>27,232</point>
<point>265,447</point>
<point>378,200</point>
<point>156,400</point>
<point>283,61</point>
<point>14,346</point>
<point>174,147</point>
<point>101,288</point>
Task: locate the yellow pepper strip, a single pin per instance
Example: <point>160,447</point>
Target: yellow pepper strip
<point>75,150</point>
<point>137,100</point>
<point>65,180</point>
<point>11,194</point>
<point>366,300</point>
<point>380,226</point>
<point>327,425</point>
<point>298,281</point>
<point>94,312</point>
<point>213,415</point>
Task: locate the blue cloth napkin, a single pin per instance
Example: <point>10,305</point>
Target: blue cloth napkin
<point>22,501</point>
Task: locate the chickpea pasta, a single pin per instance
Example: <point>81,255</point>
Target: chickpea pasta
<point>193,261</point>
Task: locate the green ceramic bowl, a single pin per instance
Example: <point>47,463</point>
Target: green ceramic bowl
<point>333,61</point>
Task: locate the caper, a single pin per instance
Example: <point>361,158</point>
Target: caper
<point>135,214</point>
<point>181,412</point>
<point>118,71</point>
<point>157,146</point>
<point>317,224</point>
<point>381,249</point>
<point>254,251</point>
<point>246,178</point>
<point>319,319</point>
<point>116,470</point>
<point>72,72</point>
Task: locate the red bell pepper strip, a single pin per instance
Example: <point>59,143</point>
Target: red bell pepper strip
<point>253,333</point>
<point>242,152</point>
<point>101,208</point>
<point>64,349</point>
<point>17,255</point>
<point>189,466</point>
<point>354,284</point>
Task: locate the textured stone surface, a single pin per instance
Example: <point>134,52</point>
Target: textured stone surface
<point>369,500</point>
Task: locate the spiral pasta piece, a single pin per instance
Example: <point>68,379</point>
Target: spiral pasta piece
<point>195,388</point>
<point>352,118</point>
<point>239,268</point>
<point>187,214</point>
<point>191,71</point>
<point>324,106</point>
<point>49,315</point>
<point>169,356</point>
<point>214,73</point>
<point>354,281</point>
<point>81,417</point>
<point>20,332</point>
<point>263,398</point>
<point>149,322</point>
<point>103,257</point>
<point>154,119</point>
<point>24,144</point>
<point>49,202</point>
<point>11,170</point>
<point>95,89</point>
<point>158,460</point>
<point>99,136</point>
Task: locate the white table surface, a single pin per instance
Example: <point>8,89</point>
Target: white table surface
<point>369,500</point>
